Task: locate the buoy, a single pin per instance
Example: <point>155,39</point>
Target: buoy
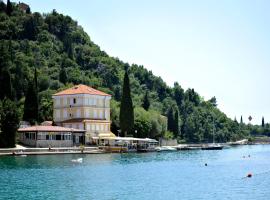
<point>249,175</point>
<point>205,164</point>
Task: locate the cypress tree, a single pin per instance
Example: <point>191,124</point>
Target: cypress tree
<point>9,8</point>
<point>241,120</point>
<point>146,102</point>
<point>176,123</point>
<point>9,123</point>
<point>63,75</point>
<point>5,77</point>
<point>263,122</point>
<point>170,120</point>
<point>31,102</point>
<point>126,108</point>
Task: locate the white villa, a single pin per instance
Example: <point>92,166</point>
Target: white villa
<point>83,107</point>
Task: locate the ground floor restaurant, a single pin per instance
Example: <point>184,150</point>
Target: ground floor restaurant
<point>51,136</point>
<point>127,144</point>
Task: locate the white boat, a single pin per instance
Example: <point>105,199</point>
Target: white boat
<point>79,160</point>
<point>165,148</point>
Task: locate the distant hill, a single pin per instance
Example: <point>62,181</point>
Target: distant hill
<point>65,55</point>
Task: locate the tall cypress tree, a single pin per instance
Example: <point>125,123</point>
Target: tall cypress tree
<point>241,120</point>
<point>126,108</point>
<point>9,8</point>
<point>5,77</point>
<point>176,123</point>
<point>63,75</point>
<point>170,120</point>
<point>146,102</point>
<point>31,102</point>
<point>263,122</point>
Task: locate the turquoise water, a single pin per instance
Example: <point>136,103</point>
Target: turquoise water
<point>171,175</point>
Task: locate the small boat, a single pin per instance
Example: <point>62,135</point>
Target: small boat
<point>79,160</point>
<point>213,147</point>
<point>165,148</point>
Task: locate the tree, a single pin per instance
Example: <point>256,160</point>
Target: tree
<point>176,123</point>
<point>31,102</point>
<point>5,76</point>
<point>146,102</point>
<point>263,122</point>
<point>126,108</point>
<point>9,123</point>
<point>63,75</point>
<point>178,95</point>
<point>170,117</point>
<point>241,120</point>
<point>2,6</point>
<point>9,8</point>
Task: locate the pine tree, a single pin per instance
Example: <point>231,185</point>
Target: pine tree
<point>126,108</point>
<point>263,122</point>
<point>241,120</point>
<point>170,122</point>
<point>9,8</point>
<point>31,102</point>
<point>178,95</point>
<point>9,123</point>
<point>176,124</point>
<point>146,102</point>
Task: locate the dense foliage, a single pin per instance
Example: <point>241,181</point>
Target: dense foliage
<point>63,55</point>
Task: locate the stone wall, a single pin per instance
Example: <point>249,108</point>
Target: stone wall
<point>54,143</point>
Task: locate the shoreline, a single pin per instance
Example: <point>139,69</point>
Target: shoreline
<point>25,151</point>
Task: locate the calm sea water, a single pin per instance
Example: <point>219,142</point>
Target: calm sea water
<point>171,175</point>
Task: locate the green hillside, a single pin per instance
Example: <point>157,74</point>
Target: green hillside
<point>63,55</point>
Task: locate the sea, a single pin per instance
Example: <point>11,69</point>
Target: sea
<point>194,175</point>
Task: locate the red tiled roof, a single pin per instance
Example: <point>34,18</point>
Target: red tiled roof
<point>81,89</point>
<point>49,129</point>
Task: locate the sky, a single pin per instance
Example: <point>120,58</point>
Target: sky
<point>219,48</point>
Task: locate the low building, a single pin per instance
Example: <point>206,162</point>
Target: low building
<point>51,136</point>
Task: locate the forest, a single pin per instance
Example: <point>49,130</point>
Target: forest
<point>52,52</point>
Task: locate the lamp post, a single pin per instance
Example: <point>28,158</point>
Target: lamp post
<point>118,132</point>
<point>136,133</point>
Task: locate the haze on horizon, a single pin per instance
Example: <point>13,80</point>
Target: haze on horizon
<point>219,48</point>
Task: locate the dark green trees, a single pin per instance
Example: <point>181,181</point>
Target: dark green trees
<point>31,102</point>
<point>146,102</point>
<point>176,124</point>
<point>126,108</point>
<point>173,122</point>
<point>63,75</point>
<point>241,120</point>
<point>5,77</point>
<point>263,122</point>
<point>170,118</point>
<point>9,8</point>
<point>9,123</point>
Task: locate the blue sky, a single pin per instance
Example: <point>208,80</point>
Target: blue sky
<point>219,48</point>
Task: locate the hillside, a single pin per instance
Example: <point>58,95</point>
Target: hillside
<point>64,54</point>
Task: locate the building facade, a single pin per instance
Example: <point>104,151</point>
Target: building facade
<point>82,107</point>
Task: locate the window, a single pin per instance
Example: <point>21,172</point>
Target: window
<point>58,137</point>
<point>100,114</point>
<point>65,113</point>
<point>74,101</point>
<point>95,114</point>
